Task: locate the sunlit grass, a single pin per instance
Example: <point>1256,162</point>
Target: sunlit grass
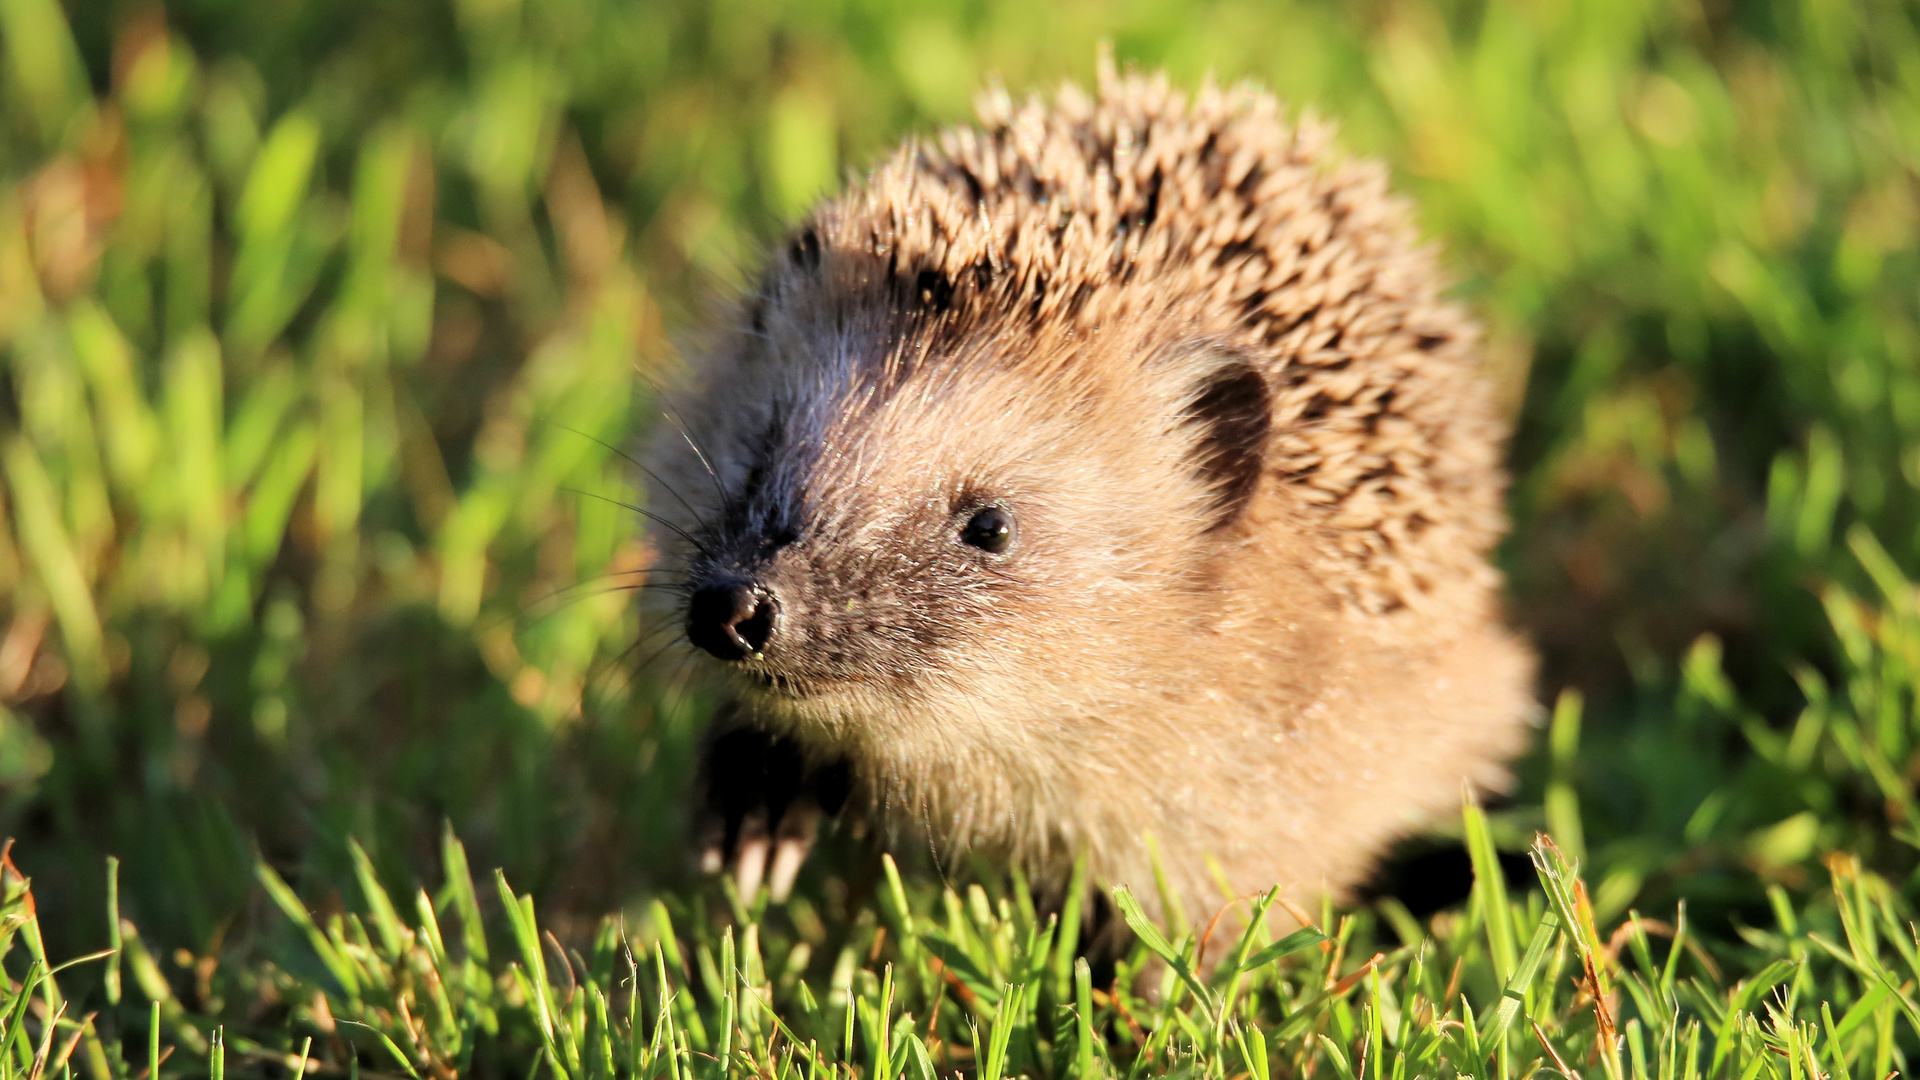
<point>925,984</point>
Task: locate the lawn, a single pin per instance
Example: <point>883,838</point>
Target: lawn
<point>332,741</point>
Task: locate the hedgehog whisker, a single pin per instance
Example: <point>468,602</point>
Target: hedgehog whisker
<point>672,639</point>
<point>575,593</point>
<point>677,681</point>
<point>672,416</point>
<point>620,665</point>
<point>649,515</point>
<point>680,425</point>
<point>616,667</point>
<point>651,475</point>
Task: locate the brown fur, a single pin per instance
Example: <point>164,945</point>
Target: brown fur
<point>1278,649</point>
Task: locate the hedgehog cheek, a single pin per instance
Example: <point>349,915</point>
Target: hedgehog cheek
<point>1230,413</point>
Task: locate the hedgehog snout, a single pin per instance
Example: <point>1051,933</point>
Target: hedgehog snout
<point>732,619</point>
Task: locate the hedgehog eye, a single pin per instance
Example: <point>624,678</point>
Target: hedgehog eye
<point>990,530</point>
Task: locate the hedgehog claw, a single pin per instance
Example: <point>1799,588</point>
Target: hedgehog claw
<point>792,842</point>
<point>750,857</point>
<point>712,831</point>
<point>762,809</point>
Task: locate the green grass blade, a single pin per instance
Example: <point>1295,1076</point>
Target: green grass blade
<point>1304,938</point>
<point>342,969</point>
<point>526,934</point>
<point>1490,891</point>
<point>1153,939</point>
<point>392,1048</point>
<point>1513,997</point>
<point>394,936</point>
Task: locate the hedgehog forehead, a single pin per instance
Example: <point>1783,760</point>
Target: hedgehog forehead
<point>842,440</point>
<point>929,429</point>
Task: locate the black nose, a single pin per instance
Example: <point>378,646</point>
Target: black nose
<point>731,621</point>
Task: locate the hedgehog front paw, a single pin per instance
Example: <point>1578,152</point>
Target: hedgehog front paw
<point>761,808</point>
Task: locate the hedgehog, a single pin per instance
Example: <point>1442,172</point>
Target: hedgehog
<point>1108,481</point>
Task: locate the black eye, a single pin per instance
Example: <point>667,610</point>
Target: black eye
<point>990,530</point>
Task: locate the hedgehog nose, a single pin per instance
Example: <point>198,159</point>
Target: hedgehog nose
<point>732,620</point>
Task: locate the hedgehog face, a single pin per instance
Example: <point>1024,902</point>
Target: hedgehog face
<point>883,539</point>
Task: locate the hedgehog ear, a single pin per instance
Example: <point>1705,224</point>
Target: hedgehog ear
<point>1231,413</point>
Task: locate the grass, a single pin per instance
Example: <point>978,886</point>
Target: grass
<point>923,986</point>
<point>319,324</point>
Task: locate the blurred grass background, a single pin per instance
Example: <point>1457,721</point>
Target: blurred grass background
<point>318,319</point>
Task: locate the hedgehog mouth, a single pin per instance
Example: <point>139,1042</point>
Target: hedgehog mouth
<point>795,683</point>
<point>781,684</point>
